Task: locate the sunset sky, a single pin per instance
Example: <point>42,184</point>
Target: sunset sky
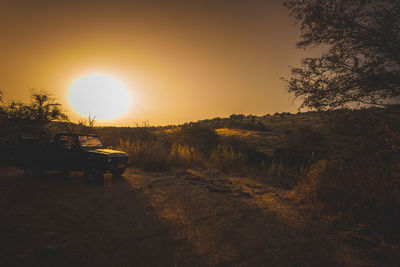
<point>180,60</point>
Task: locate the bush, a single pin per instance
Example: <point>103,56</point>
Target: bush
<point>363,188</point>
<point>254,157</point>
<point>247,125</point>
<point>226,159</point>
<point>301,148</point>
<point>112,135</point>
<point>165,152</point>
<point>203,139</point>
<point>364,123</point>
<point>185,156</point>
<point>276,174</point>
<point>150,156</point>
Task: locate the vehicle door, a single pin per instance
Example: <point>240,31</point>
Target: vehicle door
<point>70,155</point>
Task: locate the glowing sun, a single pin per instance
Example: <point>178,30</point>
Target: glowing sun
<point>99,95</point>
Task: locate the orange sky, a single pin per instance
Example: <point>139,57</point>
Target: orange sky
<point>181,60</point>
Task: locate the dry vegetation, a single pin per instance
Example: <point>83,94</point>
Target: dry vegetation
<point>342,166</point>
<point>342,163</point>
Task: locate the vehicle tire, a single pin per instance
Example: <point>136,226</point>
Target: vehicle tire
<point>94,175</point>
<point>117,172</point>
<point>32,170</point>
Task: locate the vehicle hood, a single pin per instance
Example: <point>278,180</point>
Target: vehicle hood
<point>108,152</point>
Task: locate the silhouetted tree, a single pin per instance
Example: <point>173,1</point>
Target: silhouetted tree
<point>87,125</point>
<point>359,42</point>
<point>42,108</point>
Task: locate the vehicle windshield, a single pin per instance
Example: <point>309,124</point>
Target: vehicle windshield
<point>87,141</point>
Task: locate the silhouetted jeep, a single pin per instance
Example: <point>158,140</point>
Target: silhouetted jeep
<point>69,152</point>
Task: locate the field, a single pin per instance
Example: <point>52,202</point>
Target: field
<point>303,189</point>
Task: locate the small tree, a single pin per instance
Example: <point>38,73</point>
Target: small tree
<point>87,125</point>
<point>361,62</point>
<point>43,108</point>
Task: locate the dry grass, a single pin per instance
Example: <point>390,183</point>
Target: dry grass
<point>361,186</point>
<point>159,156</point>
<point>344,162</point>
<point>226,159</point>
<point>148,155</point>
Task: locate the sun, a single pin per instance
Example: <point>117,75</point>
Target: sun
<point>99,95</point>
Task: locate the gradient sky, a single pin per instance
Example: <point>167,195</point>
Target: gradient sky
<point>181,60</point>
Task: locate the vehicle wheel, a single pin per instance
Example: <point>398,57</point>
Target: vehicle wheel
<point>117,172</point>
<point>33,170</point>
<point>94,175</point>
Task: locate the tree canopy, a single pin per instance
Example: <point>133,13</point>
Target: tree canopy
<point>41,109</point>
<point>359,41</point>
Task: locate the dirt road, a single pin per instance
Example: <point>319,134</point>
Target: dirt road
<point>169,219</point>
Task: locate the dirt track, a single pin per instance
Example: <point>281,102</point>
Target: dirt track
<point>174,219</point>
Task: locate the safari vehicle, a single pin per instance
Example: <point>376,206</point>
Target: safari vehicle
<point>70,152</point>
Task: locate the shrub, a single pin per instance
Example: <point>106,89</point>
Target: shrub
<point>185,156</point>
<point>203,139</point>
<point>160,155</point>
<point>364,123</point>
<point>276,174</point>
<point>150,156</point>
<point>254,157</point>
<point>361,188</point>
<point>247,125</point>
<point>226,159</point>
<point>301,148</point>
<point>163,154</point>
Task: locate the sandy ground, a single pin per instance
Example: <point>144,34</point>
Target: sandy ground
<point>182,218</point>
